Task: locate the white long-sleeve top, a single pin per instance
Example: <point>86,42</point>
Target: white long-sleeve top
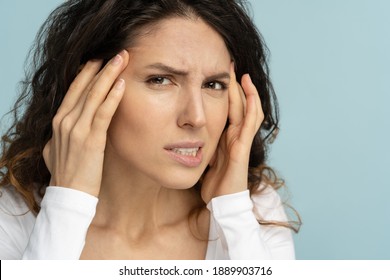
<point>60,228</point>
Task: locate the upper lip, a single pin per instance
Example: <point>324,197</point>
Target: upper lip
<point>185,145</point>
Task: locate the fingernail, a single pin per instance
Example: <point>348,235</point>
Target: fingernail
<point>120,84</point>
<point>117,60</point>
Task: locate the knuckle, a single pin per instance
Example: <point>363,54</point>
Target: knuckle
<point>103,114</point>
<point>93,92</point>
<point>56,122</point>
<point>66,124</point>
<point>76,85</point>
<point>92,96</point>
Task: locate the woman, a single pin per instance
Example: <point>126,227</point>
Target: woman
<point>137,136</point>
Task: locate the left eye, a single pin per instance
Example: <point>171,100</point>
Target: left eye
<point>159,81</point>
<point>215,85</point>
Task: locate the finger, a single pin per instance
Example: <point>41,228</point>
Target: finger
<point>107,110</point>
<point>68,112</point>
<point>243,98</point>
<point>254,113</point>
<point>78,86</point>
<point>236,107</point>
<point>80,105</point>
<point>259,108</point>
<point>75,113</point>
<point>260,114</point>
<point>103,85</point>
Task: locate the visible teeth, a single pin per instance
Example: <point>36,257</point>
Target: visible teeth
<point>186,151</point>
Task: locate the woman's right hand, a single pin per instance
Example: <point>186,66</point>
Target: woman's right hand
<point>75,153</point>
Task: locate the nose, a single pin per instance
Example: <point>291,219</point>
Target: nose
<point>192,113</point>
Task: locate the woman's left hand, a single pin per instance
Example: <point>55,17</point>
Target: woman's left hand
<point>228,169</point>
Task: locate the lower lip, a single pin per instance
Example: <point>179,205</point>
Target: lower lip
<point>188,161</point>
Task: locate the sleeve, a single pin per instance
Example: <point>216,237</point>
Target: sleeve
<point>16,222</point>
<point>242,237</point>
<point>57,232</point>
<point>61,225</point>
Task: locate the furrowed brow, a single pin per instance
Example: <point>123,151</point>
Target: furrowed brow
<point>167,69</point>
<point>171,70</point>
<point>219,76</point>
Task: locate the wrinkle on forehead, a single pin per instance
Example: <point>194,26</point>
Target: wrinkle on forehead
<point>184,43</point>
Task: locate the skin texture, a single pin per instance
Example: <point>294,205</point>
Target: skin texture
<point>114,130</point>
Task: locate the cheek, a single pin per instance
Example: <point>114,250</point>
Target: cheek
<point>138,115</point>
<point>126,114</point>
<point>128,121</point>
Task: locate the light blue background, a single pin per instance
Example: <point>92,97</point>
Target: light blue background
<point>330,64</point>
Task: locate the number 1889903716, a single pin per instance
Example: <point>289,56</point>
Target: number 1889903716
<point>242,270</point>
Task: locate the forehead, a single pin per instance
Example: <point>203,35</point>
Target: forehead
<point>182,41</point>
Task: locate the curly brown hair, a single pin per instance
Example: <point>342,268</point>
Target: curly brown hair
<point>80,30</point>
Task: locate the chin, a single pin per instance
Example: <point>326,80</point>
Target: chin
<point>180,181</point>
<point>180,185</point>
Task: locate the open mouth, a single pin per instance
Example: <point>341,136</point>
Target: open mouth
<point>191,152</point>
<point>189,157</point>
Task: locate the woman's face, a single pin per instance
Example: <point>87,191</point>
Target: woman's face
<point>175,106</point>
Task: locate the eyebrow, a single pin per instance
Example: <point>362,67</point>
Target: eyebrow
<point>179,72</point>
